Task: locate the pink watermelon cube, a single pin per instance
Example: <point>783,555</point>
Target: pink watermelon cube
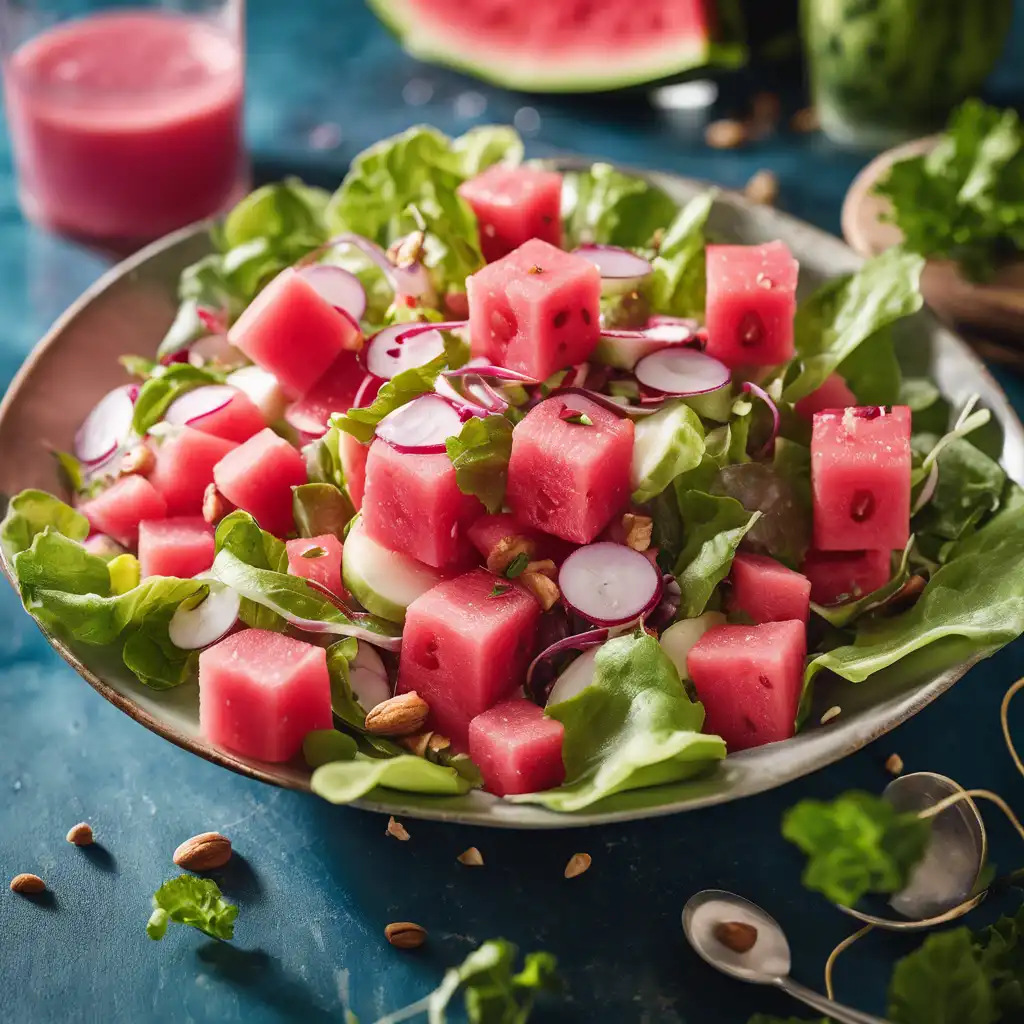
<point>767,591</point>
<point>833,394</point>
<point>258,476</point>
<point>517,748</point>
<point>751,301</point>
<point>412,504</point>
<point>749,679</point>
<point>119,509</point>
<point>260,693</point>
<point>489,530</point>
<point>334,392</point>
<point>181,547</point>
<point>317,559</point>
<point>237,421</point>
<point>184,468</point>
<point>566,478</point>
<point>536,310</point>
<point>463,650</point>
<point>860,478</point>
<point>513,204</point>
<point>840,576</point>
<point>291,332</point>
<point>353,462</point>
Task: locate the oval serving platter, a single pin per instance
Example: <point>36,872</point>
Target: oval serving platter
<point>129,310</point>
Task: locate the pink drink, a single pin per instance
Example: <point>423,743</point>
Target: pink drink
<point>126,126</point>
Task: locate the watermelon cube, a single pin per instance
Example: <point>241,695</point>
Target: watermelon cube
<point>260,693</point>
<point>860,478</point>
<point>566,478</point>
<point>513,204</point>
<point>840,576</point>
<point>291,332</point>
<point>767,591</point>
<point>749,679</point>
<point>184,468</point>
<point>517,748</point>
<point>181,547</point>
<point>317,559</point>
<point>236,421</point>
<point>463,650</point>
<point>412,504</point>
<point>258,476</point>
<point>489,530</point>
<point>536,310</point>
<point>832,394</point>
<point>334,392</point>
<point>751,301</point>
<point>119,509</point>
<point>353,462</point>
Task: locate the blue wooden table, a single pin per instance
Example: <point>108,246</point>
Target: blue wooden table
<point>317,884</point>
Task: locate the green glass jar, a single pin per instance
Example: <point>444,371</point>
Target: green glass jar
<point>883,71</point>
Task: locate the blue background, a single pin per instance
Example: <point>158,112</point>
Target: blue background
<point>317,884</point>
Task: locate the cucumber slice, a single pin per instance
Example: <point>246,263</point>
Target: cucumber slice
<point>575,679</point>
<point>715,405</point>
<point>664,445</point>
<point>677,640</point>
<point>383,582</point>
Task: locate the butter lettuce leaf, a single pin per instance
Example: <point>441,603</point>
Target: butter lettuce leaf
<point>666,444</point>
<point>480,455</point>
<point>158,392</point>
<point>341,782</point>
<point>31,512</point>
<point>678,283</point>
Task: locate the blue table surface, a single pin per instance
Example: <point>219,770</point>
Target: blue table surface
<point>317,884</point>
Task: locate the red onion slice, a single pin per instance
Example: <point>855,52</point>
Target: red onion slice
<point>488,397</point>
<point>596,397</point>
<point>681,371</point>
<point>108,426</point>
<point>194,405</point>
<point>213,320</point>
<point>609,584</point>
<point>443,387</point>
<point>397,348</point>
<point>412,280</point>
<point>344,291</point>
<point>213,618</point>
<point>614,263</point>
<point>421,426</point>
<point>485,370</point>
<point>756,389</point>
<point>578,642</point>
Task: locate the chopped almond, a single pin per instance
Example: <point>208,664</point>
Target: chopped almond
<point>639,530</point>
<point>545,567</point>
<point>542,587</point>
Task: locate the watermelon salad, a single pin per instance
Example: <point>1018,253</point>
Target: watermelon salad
<point>473,474</point>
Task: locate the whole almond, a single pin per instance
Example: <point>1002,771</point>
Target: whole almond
<point>736,935</point>
<point>81,834</point>
<point>28,885</point>
<point>405,935</point>
<point>204,852</point>
<point>472,858</point>
<point>578,863</point>
<point>137,460</point>
<point>402,715</point>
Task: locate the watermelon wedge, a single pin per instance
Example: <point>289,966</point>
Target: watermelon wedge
<point>767,591</point>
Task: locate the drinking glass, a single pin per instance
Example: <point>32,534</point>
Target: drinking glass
<point>125,118</point>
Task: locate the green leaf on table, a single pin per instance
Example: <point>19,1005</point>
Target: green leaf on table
<point>341,782</point>
<point>845,312</point>
<point>634,726</point>
<point>844,615</point>
<point>856,844</point>
<point>158,392</point>
<point>321,508</point>
<point>197,902</point>
<point>480,455</point>
<point>31,512</point>
<point>678,283</point>
<point>1000,951</point>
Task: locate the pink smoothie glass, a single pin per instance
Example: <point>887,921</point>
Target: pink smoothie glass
<point>126,121</point>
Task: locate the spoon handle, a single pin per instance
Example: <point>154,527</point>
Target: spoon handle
<point>839,1013</point>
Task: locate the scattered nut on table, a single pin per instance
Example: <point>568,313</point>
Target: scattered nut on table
<point>472,858</point>
<point>578,863</point>
<point>405,935</point>
<point>204,852</point>
<point>27,884</point>
<point>81,834</point>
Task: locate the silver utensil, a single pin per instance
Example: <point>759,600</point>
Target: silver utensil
<point>767,962</point>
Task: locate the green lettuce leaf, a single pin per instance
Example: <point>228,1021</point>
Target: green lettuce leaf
<point>196,902</point>
<point>678,283</point>
<point>321,508</point>
<point>323,460</point>
<point>665,445</point>
<point>323,746</point>
<point>930,412</point>
<point>856,844</point>
<point>486,145</point>
<point>341,782</point>
<point>1000,951</point>
<point>848,310</point>
<point>632,727</point>
<point>158,392</point>
<point>480,455</point>
<point>872,370</point>
<point>240,534</point>
<point>31,512</point>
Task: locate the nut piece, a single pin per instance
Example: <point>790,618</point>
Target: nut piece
<point>545,567</point>
<point>398,830</point>
<point>833,712</point>
<point>81,834</point>
<point>894,764</point>
<point>725,134</point>
<point>638,531</point>
<point>805,120</point>
<point>578,863</point>
<point>213,505</point>
<point>762,188</point>
<point>405,935</point>
<point>203,852</point>
<point>544,588</point>
<point>423,744</point>
<point>408,250</point>
<point>736,935</point>
<point>507,550</point>
<point>472,858</point>
<point>29,885</point>
<point>399,716</point>
<point>137,460</point>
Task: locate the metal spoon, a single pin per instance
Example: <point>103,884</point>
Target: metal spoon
<point>941,885</point>
<point>766,963</point>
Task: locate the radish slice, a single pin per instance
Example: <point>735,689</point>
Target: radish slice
<point>263,389</point>
<point>395,349</point>
<point>108,426</point>
<point>368,677</point>
<point>609,584</point>
<point>194,405</point>
<point>205,624</point>
<point>344,291</point>
<point>411,280</point>
<point>490,399</point>
<point>576,642</point>
<point>759,392</point>
<point>681,371</point>
<point>367,391</point>
<point>576,678</point>
<point>421,426</point>
<point>621,270</point>
<point>664,320</point>
<point>213,320</point>
<point>669,334</point>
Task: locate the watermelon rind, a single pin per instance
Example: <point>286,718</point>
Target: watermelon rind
<point>435,43</point>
